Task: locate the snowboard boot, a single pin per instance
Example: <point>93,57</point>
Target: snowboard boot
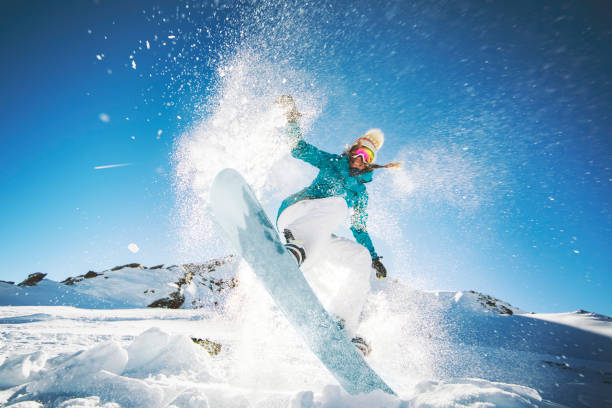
<point>362,345</point>
<point>294,247</point>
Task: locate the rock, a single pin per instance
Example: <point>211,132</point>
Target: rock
<point>9,282</point>
<point>71,281</point>
<point>174,301</point>
<point>33,279</point>
<point>209,345</point>
<point>132,265</point>
<point>494,304</point>
<point>91,274</point>
<point>157,266</point>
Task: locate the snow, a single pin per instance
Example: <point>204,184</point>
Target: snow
<point>48,292</point>
<point>158,370</point>
<point>436,349</point>
<point>591,322</point>
<point>130,286</point>
<point>16,370</point>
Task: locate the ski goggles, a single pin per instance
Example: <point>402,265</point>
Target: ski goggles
<point>366,154</point>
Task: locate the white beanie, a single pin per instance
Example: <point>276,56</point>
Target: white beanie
<point>373,139</point>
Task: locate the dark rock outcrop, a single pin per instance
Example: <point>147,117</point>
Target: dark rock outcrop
<point>33,279</point>
<point>174,301</point>
<point>132,265</point>
<point>496,305</point>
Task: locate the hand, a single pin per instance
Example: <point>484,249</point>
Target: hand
<point>381,271</point>
<point>287,103</point>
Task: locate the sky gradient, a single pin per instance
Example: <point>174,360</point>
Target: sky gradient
<point>501,114</point>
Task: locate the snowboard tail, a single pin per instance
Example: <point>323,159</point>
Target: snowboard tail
<point>246,226</point>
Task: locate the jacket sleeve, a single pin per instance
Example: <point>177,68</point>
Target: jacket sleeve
<point>358,225</point>
<point>305,151</point>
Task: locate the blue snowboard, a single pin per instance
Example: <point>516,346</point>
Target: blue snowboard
<point>251,233</point>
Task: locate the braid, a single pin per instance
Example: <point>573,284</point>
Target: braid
<point>395,165</point>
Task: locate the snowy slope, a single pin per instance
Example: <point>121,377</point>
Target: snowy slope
<point>129,286</point>
<point>436,349</point>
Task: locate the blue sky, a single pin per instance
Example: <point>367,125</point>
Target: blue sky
<point>522,94</point>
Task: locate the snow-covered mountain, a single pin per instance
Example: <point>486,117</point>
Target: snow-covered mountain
<point>129,286</point>
<point>92,341</point>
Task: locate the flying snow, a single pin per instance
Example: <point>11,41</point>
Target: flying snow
<point>244,130</point>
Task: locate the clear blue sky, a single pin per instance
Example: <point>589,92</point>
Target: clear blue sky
<point>521,91</point>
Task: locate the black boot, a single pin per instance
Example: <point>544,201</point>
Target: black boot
<point>294,247</point>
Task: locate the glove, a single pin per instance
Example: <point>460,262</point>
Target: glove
<point>287,103</point>
<point>381,271</point>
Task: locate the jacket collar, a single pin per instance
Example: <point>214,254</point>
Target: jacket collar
<point>365,177</point>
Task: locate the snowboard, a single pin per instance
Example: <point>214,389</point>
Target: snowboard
<point>243,221</point>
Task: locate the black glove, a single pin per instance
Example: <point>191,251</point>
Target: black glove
<point>381,271</point>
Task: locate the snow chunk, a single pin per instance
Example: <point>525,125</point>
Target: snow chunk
<point>17,370</point>
<point>133,248</point>
<point>473,393</point>
<point>27,404</point>
<point>97,372</point>
<point>90,402</point>
<point>461,393</point>
<point>109,376</point>
<point>104,117</point>
<point>78,371</point>
<point>191,398</point>
<point>157,352</point>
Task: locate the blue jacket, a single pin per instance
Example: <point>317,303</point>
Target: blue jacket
<point>333,180</point>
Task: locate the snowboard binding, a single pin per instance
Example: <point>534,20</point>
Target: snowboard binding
<point>294,247</point>
<point>362,345</point>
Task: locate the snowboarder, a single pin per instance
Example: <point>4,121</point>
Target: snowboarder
<point>308,218</point>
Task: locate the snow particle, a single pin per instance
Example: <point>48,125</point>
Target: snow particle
<point>133,248</point>
<point>133,64</point>
<point>104,117</point>
<point>148,45</point>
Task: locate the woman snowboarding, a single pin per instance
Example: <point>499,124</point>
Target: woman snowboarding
<point>338,269</point>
